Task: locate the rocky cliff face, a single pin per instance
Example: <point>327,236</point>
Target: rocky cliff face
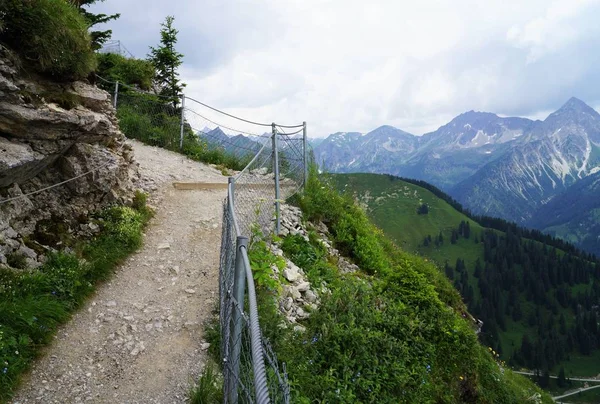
<point>50,133</point>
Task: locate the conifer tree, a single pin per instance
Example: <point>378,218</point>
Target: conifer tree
<point>166,61</point>
<point>98,37</point>
<point>425,242</point>
<point>423,209</point>
<point>453,237</point>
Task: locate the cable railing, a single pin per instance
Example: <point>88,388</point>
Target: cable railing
<point>276,169</point>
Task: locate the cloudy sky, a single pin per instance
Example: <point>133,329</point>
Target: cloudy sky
<point>345,65</point>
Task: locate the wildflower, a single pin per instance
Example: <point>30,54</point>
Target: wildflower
<point>461,378</point>
<point>4,370</point>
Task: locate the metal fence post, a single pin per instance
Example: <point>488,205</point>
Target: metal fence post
<point>305,150</point>
<point>231,180</point>
<point>239,287</point>
<point>276,172</point>
<point>116,94</point>
<point>182,121</point>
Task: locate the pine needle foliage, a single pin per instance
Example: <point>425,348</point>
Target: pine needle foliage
<point>166,61</point>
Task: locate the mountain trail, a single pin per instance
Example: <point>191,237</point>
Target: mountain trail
<point>139,338</point>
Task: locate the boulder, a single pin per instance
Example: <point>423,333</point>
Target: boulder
<point>291,273</point>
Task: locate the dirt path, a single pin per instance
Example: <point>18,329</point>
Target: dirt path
<point>139,339</point>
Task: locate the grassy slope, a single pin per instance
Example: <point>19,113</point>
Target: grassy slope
<point>389,333</point>
<point>392,205</point>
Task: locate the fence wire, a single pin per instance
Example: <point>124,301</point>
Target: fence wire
<point>274,168</point>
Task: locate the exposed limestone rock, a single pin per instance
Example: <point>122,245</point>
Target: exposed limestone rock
<point>297,299</point>
<point>18,161</point>
<point>310,296</point>
<point>303,286</point>
<point>291,273</point>
<point>42,144</point>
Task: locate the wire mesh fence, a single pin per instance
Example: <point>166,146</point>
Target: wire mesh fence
<point>250,368</point>
<point>272,161</point>
<point>274,173</point>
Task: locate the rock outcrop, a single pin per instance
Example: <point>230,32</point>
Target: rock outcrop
<point>51,133</point>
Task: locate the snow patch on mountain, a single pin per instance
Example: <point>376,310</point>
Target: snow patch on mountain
<point>560,165</point>
<point>586,158</point>
<point>389,146</point>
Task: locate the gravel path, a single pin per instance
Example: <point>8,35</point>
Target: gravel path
<point>139,339</point>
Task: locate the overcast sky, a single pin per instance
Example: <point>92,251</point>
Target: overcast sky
<point>345,65</point>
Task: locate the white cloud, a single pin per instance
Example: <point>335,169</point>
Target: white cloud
<point>558,27</point>
<point>346,65</point>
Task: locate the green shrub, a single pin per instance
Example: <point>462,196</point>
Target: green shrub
<point>263,260</point>
<point>16,260</point>
<point>133,72</point>
<point>63,99</point>
<point>50,35</point>
<point>148,119</point>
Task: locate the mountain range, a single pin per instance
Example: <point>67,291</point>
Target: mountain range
<point>513,168</point>
<point>238,144</point>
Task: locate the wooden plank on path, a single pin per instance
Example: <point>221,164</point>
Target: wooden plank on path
<point>222,185</point>
<point>199,185</point>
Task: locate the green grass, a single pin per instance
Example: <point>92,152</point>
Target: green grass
<point>587,397</point>
<point>209,389</point>
<point>392,205</point>
<point>581,366</point>
<point>34,302</point>
<point>50,35</point>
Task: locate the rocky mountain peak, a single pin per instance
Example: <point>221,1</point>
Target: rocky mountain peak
<point>574,108</point>
<point>387,130</point>
<point>217,132</point>
<point>475,117</point>
<point>576,104</point>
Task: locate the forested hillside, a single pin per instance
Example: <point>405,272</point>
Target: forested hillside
<point>537,296</point>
